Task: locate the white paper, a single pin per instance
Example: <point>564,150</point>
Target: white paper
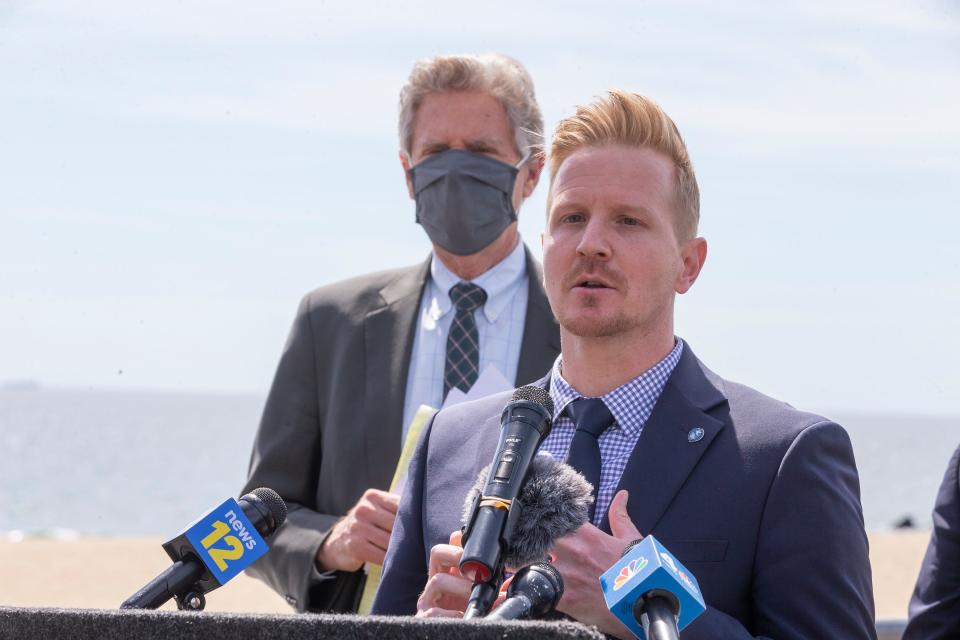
<point>489,381</point>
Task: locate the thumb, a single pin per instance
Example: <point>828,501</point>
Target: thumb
<point>456,538</point>
<point>621,526</point>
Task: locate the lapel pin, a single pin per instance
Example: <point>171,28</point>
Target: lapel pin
<point>695,435</point>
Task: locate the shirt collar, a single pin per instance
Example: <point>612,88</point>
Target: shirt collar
<point>500,282</point>
<point>631,403</point>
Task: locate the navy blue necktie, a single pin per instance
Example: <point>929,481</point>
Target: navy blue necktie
<point>463,343</point>
<point>591,417</point>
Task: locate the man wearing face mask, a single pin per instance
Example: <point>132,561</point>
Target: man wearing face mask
<point>364,354</point>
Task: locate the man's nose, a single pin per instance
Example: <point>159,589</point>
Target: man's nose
<point>595,240</point>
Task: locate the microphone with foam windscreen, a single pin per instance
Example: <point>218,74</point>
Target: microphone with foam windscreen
<point>650,592</point>
<point>213,550</point>
<point>553,501</point>
<point>525,422</point>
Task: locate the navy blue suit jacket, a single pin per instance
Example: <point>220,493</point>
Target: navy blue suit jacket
<point>764,509</point>
<point>935,605</point>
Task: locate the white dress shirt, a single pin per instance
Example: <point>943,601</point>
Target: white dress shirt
<point>500,326</point>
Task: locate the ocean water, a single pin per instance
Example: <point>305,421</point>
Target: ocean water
<point>120,463</point>
<point>123,463</point>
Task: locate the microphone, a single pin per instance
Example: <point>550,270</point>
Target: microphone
<point>533,593</point>
<point>213,550</point>
<point>554,501</point>
<point>650,592</point>
<point>525,422</point>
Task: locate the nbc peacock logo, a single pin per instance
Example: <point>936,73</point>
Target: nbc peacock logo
<point>627,572</point>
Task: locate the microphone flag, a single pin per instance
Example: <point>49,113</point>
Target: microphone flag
<point>650,567</point>
<point>225,540</point>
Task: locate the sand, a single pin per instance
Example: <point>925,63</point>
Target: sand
<point>103,572</point>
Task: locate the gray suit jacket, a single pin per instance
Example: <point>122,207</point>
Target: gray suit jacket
<point>332,423</point>
<point>764,509</point>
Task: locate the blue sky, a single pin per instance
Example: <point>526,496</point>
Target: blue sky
<point>174,176</point>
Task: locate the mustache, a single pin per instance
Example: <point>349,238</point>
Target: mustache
<point>595,268</point>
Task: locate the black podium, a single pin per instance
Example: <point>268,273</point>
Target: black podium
<point>136,624</point>
<point>130,624</point>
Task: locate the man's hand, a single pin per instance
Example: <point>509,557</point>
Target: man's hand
<point>447,591</point>
<point>362,535</point>
<point>582,556</point>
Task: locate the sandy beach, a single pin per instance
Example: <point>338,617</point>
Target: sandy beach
<point>102,572</point>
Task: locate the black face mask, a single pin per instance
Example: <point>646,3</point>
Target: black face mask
<point>464,200</point>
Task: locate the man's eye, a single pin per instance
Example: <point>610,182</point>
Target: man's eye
<point>485,149</point>
<point>573,218</point>
<point>631,222</point>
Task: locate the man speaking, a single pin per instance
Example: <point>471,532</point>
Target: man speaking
<point>364,354</point>
<point>759,500</point>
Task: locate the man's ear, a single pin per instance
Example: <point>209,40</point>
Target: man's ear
<point>534,168</point>
<point>694,254</point>
<point>405,163</point>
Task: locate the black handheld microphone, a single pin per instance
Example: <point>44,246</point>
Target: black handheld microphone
<point>190,577</point>
<point>525,422</point>
<point>657,613</point>
<point>535,591</point>
<point>554,501</point>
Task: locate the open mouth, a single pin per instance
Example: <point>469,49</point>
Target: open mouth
<point>592,284</point>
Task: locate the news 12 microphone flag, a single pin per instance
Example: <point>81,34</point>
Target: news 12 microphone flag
<point>225,540</point>
<point>650,567</point>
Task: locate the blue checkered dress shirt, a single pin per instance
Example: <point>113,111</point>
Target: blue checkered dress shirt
<point>631,405</point>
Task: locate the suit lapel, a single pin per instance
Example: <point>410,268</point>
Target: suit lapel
<point>388,342</point>
<point>488,435</point>
<point>541,334</point>
<point>665,455</point>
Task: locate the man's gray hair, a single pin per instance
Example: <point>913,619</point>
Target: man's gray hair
<point>501,76</point>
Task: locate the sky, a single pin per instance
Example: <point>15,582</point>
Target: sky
<point>175,176</point>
